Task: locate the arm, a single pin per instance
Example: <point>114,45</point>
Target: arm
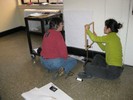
<point>95,38</point>
<point>101,46</point>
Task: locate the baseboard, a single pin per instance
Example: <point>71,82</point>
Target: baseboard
<point>4,33</point>
<point>127,65</point>
<point>83,52</point>
<point>71,50</point>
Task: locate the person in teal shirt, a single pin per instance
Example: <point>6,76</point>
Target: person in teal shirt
<point>110,66</point>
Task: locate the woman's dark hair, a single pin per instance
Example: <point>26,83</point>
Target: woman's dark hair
<point>54,22</point>
<point>113,25</point>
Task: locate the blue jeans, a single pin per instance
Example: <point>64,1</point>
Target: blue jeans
<point>54,64</point>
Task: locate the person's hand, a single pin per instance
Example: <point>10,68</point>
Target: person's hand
<point>87,26</point>
<point>94,33</point>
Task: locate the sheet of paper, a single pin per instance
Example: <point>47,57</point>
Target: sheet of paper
<point>80,58</point>
<point>45,93</point>
<point>58,94</point>
<point>36,14</point>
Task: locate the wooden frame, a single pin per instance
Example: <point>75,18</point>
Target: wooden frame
<point>87,46</point>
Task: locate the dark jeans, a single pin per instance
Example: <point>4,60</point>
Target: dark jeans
<point>99,68</point>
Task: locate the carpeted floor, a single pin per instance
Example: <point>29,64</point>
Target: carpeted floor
<point>19,73</point>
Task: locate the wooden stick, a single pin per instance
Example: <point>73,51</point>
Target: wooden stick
<point>86,40</point>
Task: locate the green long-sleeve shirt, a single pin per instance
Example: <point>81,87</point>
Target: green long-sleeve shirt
<point>111,45</point>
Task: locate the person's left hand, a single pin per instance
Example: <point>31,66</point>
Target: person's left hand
<point>87,26</point>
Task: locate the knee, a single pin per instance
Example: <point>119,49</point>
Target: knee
<point>97,56</point>
<point>73,61</point>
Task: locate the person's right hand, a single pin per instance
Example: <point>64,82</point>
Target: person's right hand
<point>95,33</point>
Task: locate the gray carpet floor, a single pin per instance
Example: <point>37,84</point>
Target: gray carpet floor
<point>19,73</point>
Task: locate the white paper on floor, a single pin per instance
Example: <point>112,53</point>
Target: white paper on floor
<point>45,93</point>
<point>80,58</point>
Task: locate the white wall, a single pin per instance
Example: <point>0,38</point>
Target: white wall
<point>9,17</point>
<point>77,14</point>
<point>129,48</point>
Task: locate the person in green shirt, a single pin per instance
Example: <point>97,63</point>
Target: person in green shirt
<point>110,66</point>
